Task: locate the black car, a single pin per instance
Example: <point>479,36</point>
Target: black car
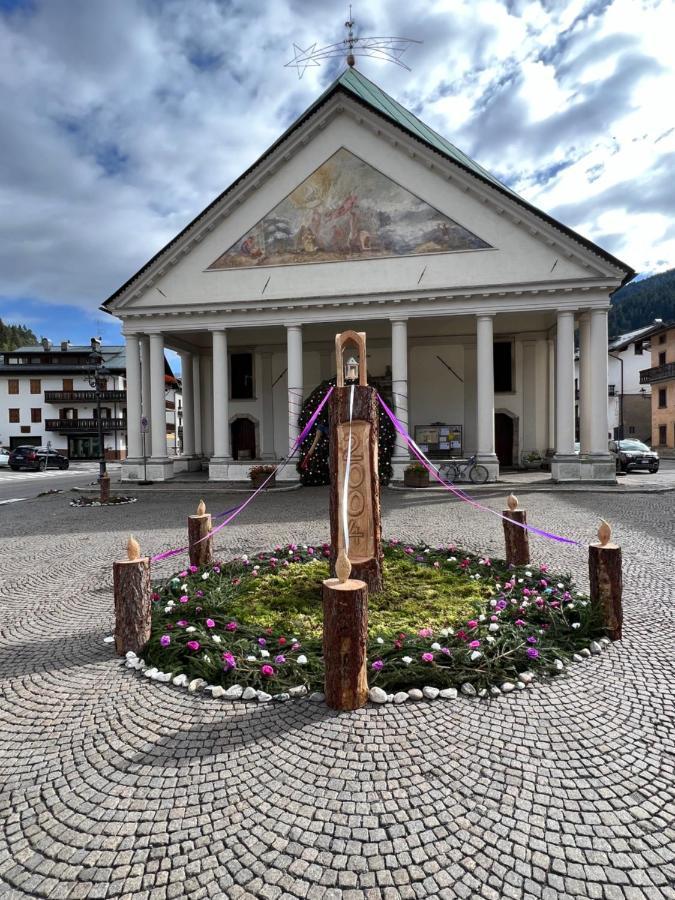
<point>633,455</point>
<point>37,459</point>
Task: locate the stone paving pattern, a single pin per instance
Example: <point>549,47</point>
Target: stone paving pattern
<point>111,786</point>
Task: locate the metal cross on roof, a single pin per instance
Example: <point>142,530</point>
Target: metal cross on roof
<point>389,49</point>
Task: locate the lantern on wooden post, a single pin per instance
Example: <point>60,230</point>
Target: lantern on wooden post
<point>516,538</point>
<point>132,591</point>
<point>604,571</point>
<point>200,546</point>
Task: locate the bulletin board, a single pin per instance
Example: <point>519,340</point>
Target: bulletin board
<point>439,441</point>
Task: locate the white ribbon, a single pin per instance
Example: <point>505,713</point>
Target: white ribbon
<point>345,486</point>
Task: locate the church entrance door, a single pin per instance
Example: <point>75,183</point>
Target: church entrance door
<point>504,439</point>
<point>243,439</point>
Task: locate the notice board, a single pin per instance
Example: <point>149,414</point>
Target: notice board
<point>439,441</point>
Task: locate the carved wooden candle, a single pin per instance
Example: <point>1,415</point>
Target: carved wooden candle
<point>516,538</point>
<point>132,591</point>
<point>345,637</point>
<point>604,570</point>
<point>201,546</point>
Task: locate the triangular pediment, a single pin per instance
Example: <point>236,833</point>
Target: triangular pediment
<point>347,210</point>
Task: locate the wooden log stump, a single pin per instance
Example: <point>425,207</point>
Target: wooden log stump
<point>105,487</point>
<point>132,590</point>
<point>201,551</point>
<point>604,571</point>
<point>345,633</point>
<point>516,538</point>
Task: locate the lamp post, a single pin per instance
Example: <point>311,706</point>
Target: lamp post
<point>97,372</point>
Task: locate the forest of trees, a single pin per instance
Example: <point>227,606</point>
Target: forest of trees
<point>640,302</point>
<point>13,336</point>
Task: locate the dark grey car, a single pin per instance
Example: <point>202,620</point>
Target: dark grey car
<point>630,455</point>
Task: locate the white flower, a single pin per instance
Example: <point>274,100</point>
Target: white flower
<point>493,602</point>
<point>427,550</point>
<point>452,559</point>
<point>244,557</point>
<point>205,575</point>
<point>481,617</point>
<point>302,660</point>
<point>520,581</point>
<point>494,626</point>
<point>407,660</point>
<point>167,609</point>
<point>380,640</point>
<point>490,640</point>
<point>215,638</point>
<point>525,603</point>
<point>264,653</point>
<point>255,568</point>
<point>250,659</point>
<point>190,628</point>
<point>559,585</point>
<point>444,632</point>
<point>498,586</point>
<point>183,587</point>
<point>529,574</point>
<point>476,655</point>
<point>576,624</point>
<point>435,646</point>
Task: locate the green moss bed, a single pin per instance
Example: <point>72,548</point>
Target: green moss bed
<point>446,617</point>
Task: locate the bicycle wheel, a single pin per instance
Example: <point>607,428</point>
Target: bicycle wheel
<point>450,473</point>
<point>479,474</point>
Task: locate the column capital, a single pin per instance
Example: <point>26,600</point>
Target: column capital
<point>293,326</point>
<point>217,329</point>
<point>398,320</point>
<point>480,316</point>
<point>566,313</point>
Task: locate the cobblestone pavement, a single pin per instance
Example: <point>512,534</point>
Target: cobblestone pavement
<point>111,786</point>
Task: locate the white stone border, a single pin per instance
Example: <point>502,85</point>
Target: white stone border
<point>376,695</point>
<point>76,502</point>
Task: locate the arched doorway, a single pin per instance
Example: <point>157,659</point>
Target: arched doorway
<point>506,437</point>
<point>242,432</point>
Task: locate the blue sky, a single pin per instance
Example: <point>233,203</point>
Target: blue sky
<point>122,120</point>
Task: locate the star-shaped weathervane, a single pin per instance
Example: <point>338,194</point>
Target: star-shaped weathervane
<point>390,49</point>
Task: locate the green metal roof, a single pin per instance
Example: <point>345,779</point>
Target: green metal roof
<point>375,97</point>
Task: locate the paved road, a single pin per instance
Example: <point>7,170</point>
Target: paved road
<point>116,787</point>
<point>23,485</point>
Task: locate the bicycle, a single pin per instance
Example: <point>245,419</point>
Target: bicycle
<point>468,471</point>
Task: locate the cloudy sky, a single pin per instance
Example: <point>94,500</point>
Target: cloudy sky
<point>122,120</point>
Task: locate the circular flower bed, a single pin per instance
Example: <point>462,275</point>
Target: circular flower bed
<point>111,501</point>
<point>446,618</point>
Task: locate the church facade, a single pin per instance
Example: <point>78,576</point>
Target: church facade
<point>360,217</point>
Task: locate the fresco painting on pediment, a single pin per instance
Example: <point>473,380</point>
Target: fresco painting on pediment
<point>347,210</point>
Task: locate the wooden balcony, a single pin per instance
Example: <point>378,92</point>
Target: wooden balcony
<point>84,396</point>
<point>84,426</point>
<point>657,373</point>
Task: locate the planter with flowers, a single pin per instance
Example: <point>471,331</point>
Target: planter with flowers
<point>531,460</point>
<point>260,474</point>
<point>415,475</point>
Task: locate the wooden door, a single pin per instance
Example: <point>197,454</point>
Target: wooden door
<point>504,439</point>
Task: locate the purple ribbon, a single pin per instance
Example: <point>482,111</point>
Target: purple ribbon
<point>234,511</point>
<point>449,486</point>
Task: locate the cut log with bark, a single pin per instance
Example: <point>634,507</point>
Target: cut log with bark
<point>604,570</point>
<point>516,539</point>
<point>201,551</point>
<point>345,636</point>
<point>132,590</point>
<point>365,532</point>
<point>105,487</point>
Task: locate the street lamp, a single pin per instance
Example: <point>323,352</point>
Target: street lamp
<point>96,375</point>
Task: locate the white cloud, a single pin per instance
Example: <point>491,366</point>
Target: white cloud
<point>121,121</point>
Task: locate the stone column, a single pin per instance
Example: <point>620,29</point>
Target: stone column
<point>133,364</point>
<point>188,448</point>
<point>145,388</point>
<point>221,399</point>
<point>295,380</point>
<point>529,418</point>
<point>267,406</point>
<point>399,390</point>
<point>550,397</point>
<point>585,414</point>
<point>197,403</point>
<point>603,467</point>
<point>565,464</point>
<point>485,396</point>
<point>157,398</point>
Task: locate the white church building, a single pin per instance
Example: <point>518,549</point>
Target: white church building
<point>361,217</point>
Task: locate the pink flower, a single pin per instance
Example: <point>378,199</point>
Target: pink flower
<point>154,596</point>
<point>193,645</point>
<point>216,569</point>
<point>210,623</point>
<point>165,640</point>
<point>474,645</point>
<point>194,569</point>
<point>472,624</point>
<point>425,633</point>
<point>280,659</point>
<point>229,660</point>
<point>520,623</point>
<point>427,657</point>
<point>184,598</point>
<point>377,665</point>
<point>231,626</point>
<point>182,574</point>
<point>267,671</point>
<point>437,565</point>
<point>296,646</point>
<point>262,642</point>
<point>182,623</point>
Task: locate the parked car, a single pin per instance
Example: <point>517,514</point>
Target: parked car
<point>4,456</point>
<point>633,455</point>
<point>37,459</point>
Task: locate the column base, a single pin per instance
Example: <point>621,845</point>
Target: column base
<point>598,467</point>
<point>398,465</point>
<point>132,469</point>
<point>565,467</point>
<point>235,470</point>
<point>160,468</point>
<point>187,464</point>
<point>491,463</point>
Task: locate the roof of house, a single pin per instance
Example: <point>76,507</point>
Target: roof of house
<point>366,92</point>
<point>622,341</point>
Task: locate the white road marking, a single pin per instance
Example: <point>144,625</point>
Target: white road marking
<point>13,500</point>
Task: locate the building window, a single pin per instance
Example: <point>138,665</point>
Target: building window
<point>25,429</point>
<point>241,375</point>
<point>662,358</point>
<point>631,429</point>
<point>502,364</point>
<point>662,339</point>
<point>14,416</point>
<point>35,385</point>
<point>611,390</point>
<point>36,415</point>
<point>12,385</point>
<point>67,384</point>
<point>663,398</point>
<point>638,348</point>
<point>662,435</point>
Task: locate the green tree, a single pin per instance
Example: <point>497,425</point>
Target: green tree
<point>13,336</point>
